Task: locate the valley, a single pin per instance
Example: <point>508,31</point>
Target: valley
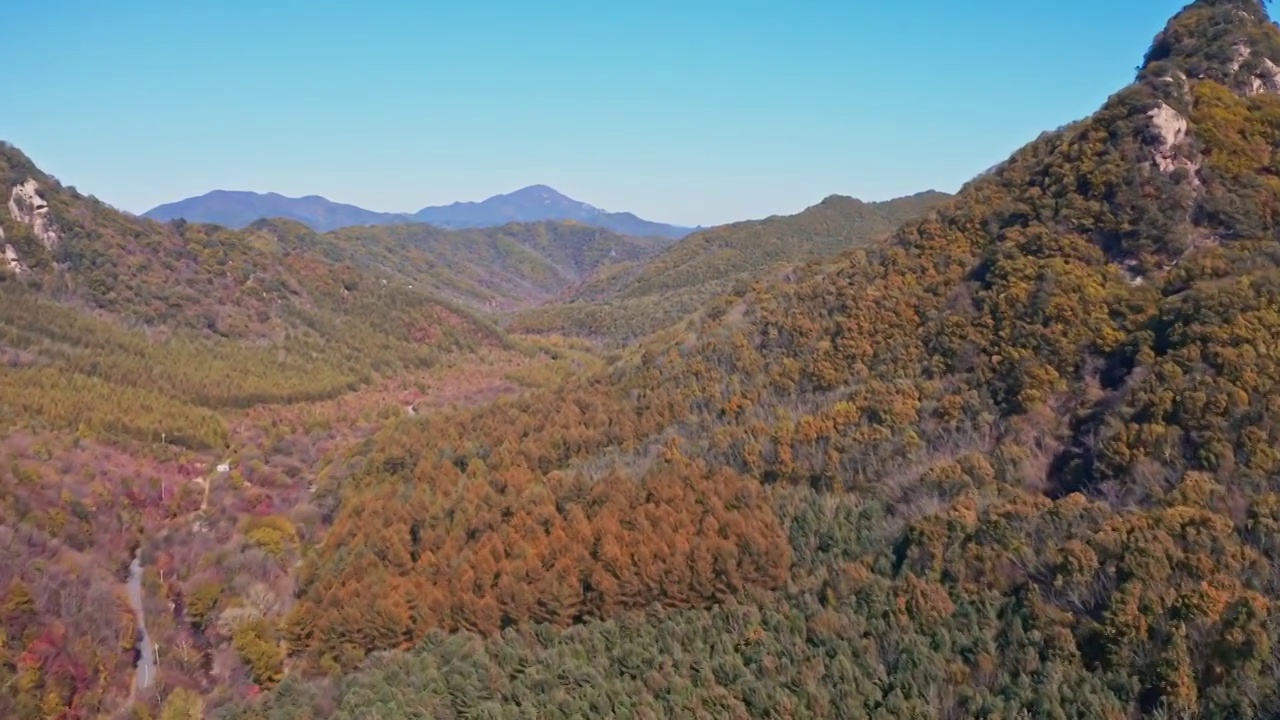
<point>1008,452</point>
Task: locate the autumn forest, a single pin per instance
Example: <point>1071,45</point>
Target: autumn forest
<point>1009,453</point>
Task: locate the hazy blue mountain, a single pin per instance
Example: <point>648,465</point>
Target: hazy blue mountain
<point>237,209</point>
<point>536,203</point>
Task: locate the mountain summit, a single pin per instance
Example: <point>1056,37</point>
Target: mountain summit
<point>536,203</point>
<point>1231,42</point>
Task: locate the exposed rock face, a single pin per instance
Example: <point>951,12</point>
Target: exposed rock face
<point>1242,51</point>
<point>26,206</point>
<point>1170,129</point>
<point>11,258</point>
<point>1266,79</point>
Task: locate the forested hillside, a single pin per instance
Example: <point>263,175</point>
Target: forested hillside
<point>135,357</point>
<point>1015,460</point>
<point>512,266</point>
<point>628,300</point>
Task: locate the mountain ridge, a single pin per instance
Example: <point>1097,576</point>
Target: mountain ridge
<point>625,301</point>
<point>535,203</point>
<point>493,268</point>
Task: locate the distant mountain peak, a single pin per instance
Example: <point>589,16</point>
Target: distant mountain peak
<point>544,194</point>
<point>1232,42</point>
<point>540,203</point>
<point>533,203</point>
<point>543,190</point>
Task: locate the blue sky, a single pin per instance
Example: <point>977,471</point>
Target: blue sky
<point>693,111</point>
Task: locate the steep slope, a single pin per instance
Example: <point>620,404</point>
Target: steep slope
<point>533,204</point>
<point>236,209</point>
<point>1017,460</point>
<point>1064,384</point>
<point>1066,276</point>
<point>630,300</point>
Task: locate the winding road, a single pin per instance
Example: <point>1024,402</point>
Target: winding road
<point>145,674</point>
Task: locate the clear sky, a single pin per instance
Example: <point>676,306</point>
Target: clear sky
<point>683,111</point>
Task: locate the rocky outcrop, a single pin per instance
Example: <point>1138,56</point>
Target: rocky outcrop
<point>11,257</point>
<point>1240,53</point>
<point>1264,79</point>
<point>1169,130</point>
<point>26,206</point>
